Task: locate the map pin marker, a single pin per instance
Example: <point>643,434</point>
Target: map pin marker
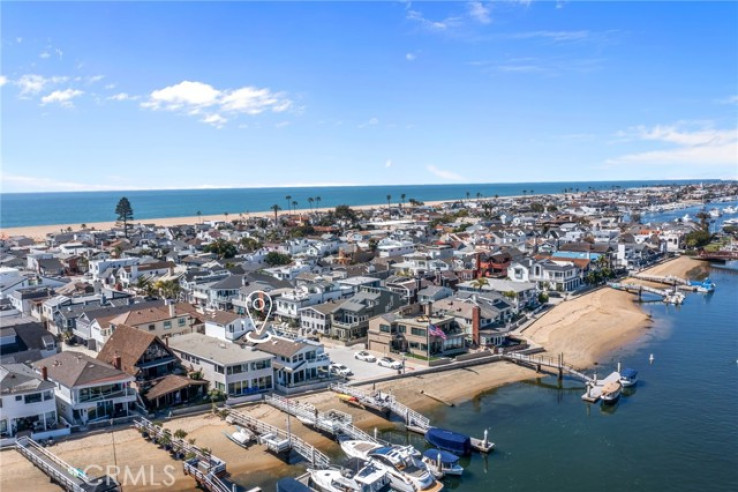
<point>259,302</point>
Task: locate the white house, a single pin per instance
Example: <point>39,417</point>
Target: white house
<point>297,365</point>
<point>88,390</point>
<point>234,370</point>
<point>227,326</point>
<point>288,305</point>
<point>27,402</point>
<point>390,247</point>
<point>101,268</point>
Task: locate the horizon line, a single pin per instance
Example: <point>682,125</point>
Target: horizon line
<point>353,185</point>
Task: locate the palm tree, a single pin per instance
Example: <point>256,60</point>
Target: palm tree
<point>389,197</point>
<point>317,201</point>
<point>467,195</point>
<point>402,199</point>
<point>479,195</point>
<point>311,200</point>
<point>479,283</point>
<point>294,205</point>
<point>226,216</point>
<point>276,209</point>
<point>288,198</point>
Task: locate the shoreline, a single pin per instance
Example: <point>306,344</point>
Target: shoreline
<point>589,329</point>
<point>38,232</point>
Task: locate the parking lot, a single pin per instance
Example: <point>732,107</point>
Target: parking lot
<point>362,369</point>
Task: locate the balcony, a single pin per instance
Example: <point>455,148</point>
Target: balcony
<point>106,395</point>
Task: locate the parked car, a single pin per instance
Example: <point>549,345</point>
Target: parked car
<point>341,370</point>
<point>365,356</point>
<point>389,362</point>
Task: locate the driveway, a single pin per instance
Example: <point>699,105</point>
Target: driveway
<point>364,370</point>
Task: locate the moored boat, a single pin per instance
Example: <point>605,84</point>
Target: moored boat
<point>442,463</point>
<point>611,392</point>
<point>447,440</point>
<point>241,437</point>
<point>368,479</point>
<point>407,473</point>
<point>628,377</point>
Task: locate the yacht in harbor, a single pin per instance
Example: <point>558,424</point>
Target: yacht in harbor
<point>368,479</point>
<point>628,377</point>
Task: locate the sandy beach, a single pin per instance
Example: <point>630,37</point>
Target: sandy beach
<point>39,232</point>
<point>585,329</point>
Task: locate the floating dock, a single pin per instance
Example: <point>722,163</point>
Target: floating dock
<point>667,296</point>
<point>277,440</point>
<point>68,477</point>
<point>386,403</point>
<point>594,388</point>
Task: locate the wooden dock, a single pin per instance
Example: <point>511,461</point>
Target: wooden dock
<point>667,296</point>
<point>594,388</point>
<point>414,421</point>
<point>65,475</point>
<point>537,362</point>
<point>279,441</point>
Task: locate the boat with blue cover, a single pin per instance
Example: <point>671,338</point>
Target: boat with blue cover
<point>703,286</point>
<point>442,463</point>
<point>628,377</point>
<point>447,440</point>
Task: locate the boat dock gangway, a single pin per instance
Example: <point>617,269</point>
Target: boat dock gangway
<point>387,403</point>
<point>277,440</point>
<point>332,422</point>
<point>660,279</point>
<point>538,361</point>
<point>669,297</point>
<point>67,476</point>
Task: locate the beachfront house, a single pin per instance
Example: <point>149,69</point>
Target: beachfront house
<point>317,319</point>
<point>350,319</point>
<point>27,402</point>
<point>298,365</point>
<point>88,390</point>
<point>235,371</point>
<point>159,377</point>
<point>418,336</point>
<point>289,304</point>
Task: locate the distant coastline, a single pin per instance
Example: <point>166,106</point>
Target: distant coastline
<point>63,209</point>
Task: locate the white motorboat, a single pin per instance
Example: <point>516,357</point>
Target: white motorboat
<point>715,212</point>
<point>368,479</point>
<point>442,463</point>
<point>242,437</point>
<point>407,473</point>
<point>730,210</point>
<point>611,392</point>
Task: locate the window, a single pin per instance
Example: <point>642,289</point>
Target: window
<point>419,332</point>
<point>48,395</point>
<point>167,325</point>
<point>18,397</point>
<point>181,321</point>
<point>152,327</point>
<point>219,369</point>
<point>385,328</point>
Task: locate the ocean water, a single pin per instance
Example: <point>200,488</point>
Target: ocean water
<point>676,430</point>
<point>29,209</point>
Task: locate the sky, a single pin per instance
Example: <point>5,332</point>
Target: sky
<point>141,95</point>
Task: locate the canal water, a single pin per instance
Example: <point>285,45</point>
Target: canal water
<point>676,430</point>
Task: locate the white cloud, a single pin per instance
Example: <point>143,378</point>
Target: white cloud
<point>3,80</point>
<point>479,12</point>
<point>44,55</point>
<point>411,56</point>
<point>282,124</point>
<point>558,36</point>
<point>729,100</point>
<point>59,53</point>
<point>437,26</point>
<point>700,147</point>
<point>388,163</point>
<point>95,78</point>
<point>19,40</point>
<point>110,86</point>
<point>33,84</point>
<point>64,97</point>
<point>443,174</point>
<point>215,119</point>
<point>193,98</point>
<point>122,96</point>
<point>373,121</point>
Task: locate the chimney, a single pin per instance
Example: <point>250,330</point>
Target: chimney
<point>166,340</point>
<point>45,373</point>
<point>116,362</point>
<point>172,311</point>
<point>476,315</point>
<point>427,308</point>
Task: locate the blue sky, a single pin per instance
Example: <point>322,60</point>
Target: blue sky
<point>99,95</point>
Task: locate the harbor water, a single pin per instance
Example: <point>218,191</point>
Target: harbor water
<point>676,430</point>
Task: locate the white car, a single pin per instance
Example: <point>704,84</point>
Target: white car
<point>365,356</point>
<point>389,362</point>
<point>341,370</point>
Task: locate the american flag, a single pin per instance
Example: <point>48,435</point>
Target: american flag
<point>436,332</point>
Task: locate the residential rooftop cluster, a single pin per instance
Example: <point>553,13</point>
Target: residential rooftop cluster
<point>104,325</point>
